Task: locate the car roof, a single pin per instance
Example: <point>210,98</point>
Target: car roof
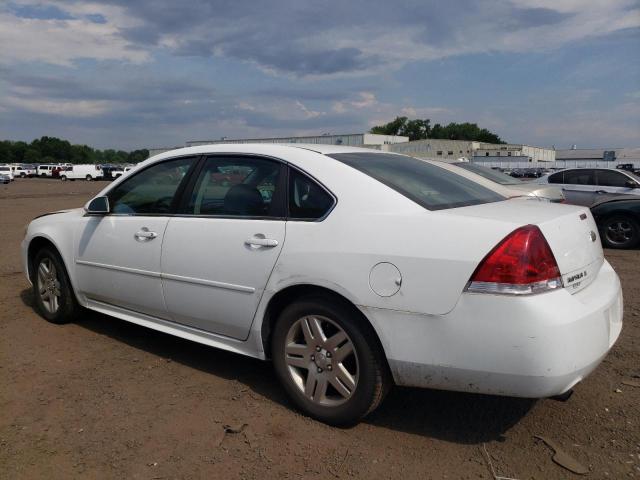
<point>263,148</point>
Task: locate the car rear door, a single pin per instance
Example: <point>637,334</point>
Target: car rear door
<point>118,254</point>
<point>218,254</point>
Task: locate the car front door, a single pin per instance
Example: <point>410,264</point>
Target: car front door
<point>579,185</point>
<point>218,254</point>
<point>612,181</point>
<point>118,254</point>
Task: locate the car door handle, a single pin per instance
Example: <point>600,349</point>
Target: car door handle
<point>261,242</point>
<point>601,191</point>
<point>144,235</point>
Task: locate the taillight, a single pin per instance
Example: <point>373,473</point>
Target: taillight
<point>521,264</point>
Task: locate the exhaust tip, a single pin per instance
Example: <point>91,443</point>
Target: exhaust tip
<point>563,397</point>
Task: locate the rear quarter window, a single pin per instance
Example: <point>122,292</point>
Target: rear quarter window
<point>432,187</point>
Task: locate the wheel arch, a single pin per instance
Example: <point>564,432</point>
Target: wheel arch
<point>36,244</point>
<point>601,217</point>
<point>280,300</point>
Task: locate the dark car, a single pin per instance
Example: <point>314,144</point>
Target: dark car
<point>618,219</point>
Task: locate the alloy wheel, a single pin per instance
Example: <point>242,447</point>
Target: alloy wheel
<point>49,285</point>
<point>321,360</point>
<point>619,232</point>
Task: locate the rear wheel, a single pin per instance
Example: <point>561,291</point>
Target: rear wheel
<point>63,178</point>
<point>23,175</point>
<point>328,361</point>
<point>54,297</point>
<point>620,231</point>
<point>89,178</point>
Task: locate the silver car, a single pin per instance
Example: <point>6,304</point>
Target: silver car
<point>583,186</point>
<point>548,192</point>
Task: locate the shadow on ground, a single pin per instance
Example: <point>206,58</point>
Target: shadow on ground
<point>451,416</point>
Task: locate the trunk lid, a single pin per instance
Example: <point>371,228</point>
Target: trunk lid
<point>570,231</point>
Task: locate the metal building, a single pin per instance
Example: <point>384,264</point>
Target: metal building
<point>353,140</point>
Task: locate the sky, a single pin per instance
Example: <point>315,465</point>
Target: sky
<point>132,74</point>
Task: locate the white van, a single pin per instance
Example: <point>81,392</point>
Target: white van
<point>45,170</point>
<point>88,172</point>
<point>6,170</point>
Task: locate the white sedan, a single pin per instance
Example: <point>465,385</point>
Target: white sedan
<point>351,269</point>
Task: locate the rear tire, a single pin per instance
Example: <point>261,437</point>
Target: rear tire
<point>63,178</point>
<point>328,360</point>
<point>54,297</point>
<point>619,231</point>
<point>89,178</point>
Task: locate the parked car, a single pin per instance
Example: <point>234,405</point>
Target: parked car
<point>392,270</point>
<point>45,170</point>
<point>4,177</point>
<point>86,172</point>
<point>547,192</point>
<point>6,170</point>
<point>583,185</point>
<point>23,171</point>
<point>618,219</point>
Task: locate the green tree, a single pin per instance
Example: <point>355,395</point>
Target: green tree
<point>419,129</point>
<point>31,155</point>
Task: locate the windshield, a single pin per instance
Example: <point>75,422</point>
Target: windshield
<point>489,173</point>
<point>432,187</point>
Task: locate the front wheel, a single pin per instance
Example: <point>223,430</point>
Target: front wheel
<point>620,232</point>
<point>54,297</point>
<point>63,178</point>
<point>89,178</point>
<point>328,361</point>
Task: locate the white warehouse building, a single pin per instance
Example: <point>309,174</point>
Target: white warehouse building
<point>352,140</point>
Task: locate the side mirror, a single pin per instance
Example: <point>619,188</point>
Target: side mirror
<point>631,184</point>
<point>98,206</point>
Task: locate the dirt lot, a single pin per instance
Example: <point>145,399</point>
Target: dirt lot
<point>105,399</point>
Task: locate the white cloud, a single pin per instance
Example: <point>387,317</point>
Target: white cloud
<point>65,108</point>
<point>61,42</point>
<point>308,113</point>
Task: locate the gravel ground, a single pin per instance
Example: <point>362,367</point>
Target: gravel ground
<point>107,399</point>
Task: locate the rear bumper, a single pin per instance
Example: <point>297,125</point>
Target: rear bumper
<point>536,346</point>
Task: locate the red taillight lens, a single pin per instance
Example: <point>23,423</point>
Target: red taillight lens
<point>521,264</point>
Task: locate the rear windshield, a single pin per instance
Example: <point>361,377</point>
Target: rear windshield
<point>488,173</point>
<point>432,187</point>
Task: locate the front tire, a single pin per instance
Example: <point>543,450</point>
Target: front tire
<point>620,231</point>
<point>89,178</point>
<point>63,178</point>
<point>54,297</point>
<point>328,360</point>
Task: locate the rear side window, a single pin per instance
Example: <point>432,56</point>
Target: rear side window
<point>307,199</point>
<point>432,187</point>
<point>237,187</point>
<point>608,178</point>
<point>580,177</point>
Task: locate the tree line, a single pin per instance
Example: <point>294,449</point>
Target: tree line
<point>420,129</point>
<point>55,150</point>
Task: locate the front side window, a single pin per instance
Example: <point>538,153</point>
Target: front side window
<point>584,176</point>
<point>237,186</point>
<point>152,190</point>
<point>307,199</point>
<point>609,178</point>
<point>432,187</point>
<point>556,177</point>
